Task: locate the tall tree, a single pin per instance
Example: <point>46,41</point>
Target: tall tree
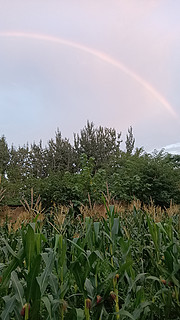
<point>38,160</point>
<point>59,154</point>
<point>19,165</point>
<point>4,155</point>
<point>130,141</point>
<point>99,143</point>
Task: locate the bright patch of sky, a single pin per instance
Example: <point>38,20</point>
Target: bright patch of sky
<point>46,85</point>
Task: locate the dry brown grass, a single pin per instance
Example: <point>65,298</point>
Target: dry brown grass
<point>27,212</point>
<point>156,212</point>
<point>18,216</point>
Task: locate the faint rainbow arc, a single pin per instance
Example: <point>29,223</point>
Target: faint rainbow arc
<point>102,56</point>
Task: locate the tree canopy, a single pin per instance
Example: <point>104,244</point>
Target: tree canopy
<point>63,172</point>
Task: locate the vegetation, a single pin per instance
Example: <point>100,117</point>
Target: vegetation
<point>65,173</point>
<point>122,265</point>
<point>68,257</point>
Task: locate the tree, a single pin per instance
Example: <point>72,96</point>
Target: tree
<point>19,164</point>
<point>130,141</point>
<point>4,155</point>
<point>38,160</point>
<point>99,143</point>
<point>60,154</point>
<point>146,177</point>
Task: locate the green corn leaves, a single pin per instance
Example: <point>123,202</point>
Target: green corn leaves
<point>18,288</point>
<point>9,306</point>
<point>43,279</point>
<point>122,267</point>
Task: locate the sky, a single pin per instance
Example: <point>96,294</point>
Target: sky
<point>115,63</point>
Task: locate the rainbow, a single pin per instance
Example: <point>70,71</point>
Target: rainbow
<point>100,55</point>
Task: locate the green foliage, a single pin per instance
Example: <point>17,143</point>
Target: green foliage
<point>18,166</point>
<point>145,177</point>
<point>59,154</point>
<point>100,143</point>
<point>124,267</point>
<point>63,173</point>
<point>130,141</point>
<point>38,160</point>
<point>4,155</point>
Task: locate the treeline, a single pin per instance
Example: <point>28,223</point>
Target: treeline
<point>62,172</point>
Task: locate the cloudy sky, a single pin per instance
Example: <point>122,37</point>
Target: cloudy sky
<point>116,63</point>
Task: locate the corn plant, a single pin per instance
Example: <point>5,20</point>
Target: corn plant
<point>125,266</point>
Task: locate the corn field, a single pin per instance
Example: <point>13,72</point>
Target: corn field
<point>60,265</point>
